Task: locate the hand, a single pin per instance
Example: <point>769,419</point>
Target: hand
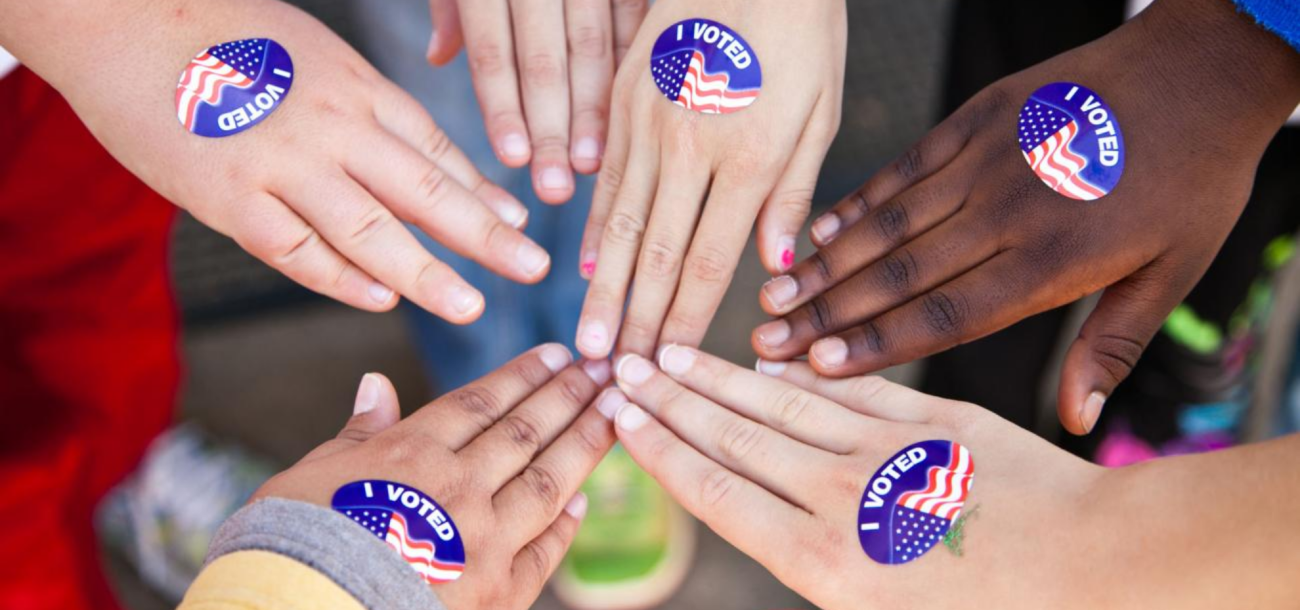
<point>504,456</point>
<point>320,188</point>
<point>542,71</point>
<point>679,190</point>
<point>959,238</point>
<point>778,467</point>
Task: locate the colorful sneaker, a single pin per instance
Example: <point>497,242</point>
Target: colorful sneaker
<point>635,545</point>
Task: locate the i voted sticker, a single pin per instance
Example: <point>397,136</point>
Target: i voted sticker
<point>1072,141</point>
<point>409,522</point>
<point>913,499</point>
<point>707,67</point>
<point>233,86</point>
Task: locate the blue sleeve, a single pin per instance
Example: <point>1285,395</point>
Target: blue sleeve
<point>1282,17</point>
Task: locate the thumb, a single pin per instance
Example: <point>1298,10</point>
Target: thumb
<point>447,39</point>
<point>1111,341</point>
<point>374,410</point>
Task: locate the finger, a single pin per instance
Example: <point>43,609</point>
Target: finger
<point>462,415</point>
<point>446,40</point>
<point>886,229</point>
<point>1112,340</point>
<point>933,152</point>
<point>591,75</point>
<point>535,563</point>
<point>367,233</point>
<point>787,409</point>
<point>990,297</point>
<point>501,452</point>
<point>779,463</point>
<point>423,194</point>
<point>715,251</point>
<point>375,409</point>
<point>869,395</point>
<point>272,232</point>
<point>544,84</point>
<point>620,244</point>
<point>628,15</point>
<point>404,117</point>
<point>682,187</point>
<point>489,46</point>
<point>608,183</point>
<point>936,257</point>
<point>747,516</point>
<point>530,501</point>
<point>786,209</point>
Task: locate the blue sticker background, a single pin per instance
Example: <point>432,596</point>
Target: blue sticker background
<point>409,522</point>
<point>912,500</point>
<point>1072,140</point>
<point>705,66</point>
<point>233,86</point>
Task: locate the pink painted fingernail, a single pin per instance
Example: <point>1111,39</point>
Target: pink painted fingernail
<point>593,338</point>
<point>826,228</point>
<point>785,252</point>
<point>555,357</point>
<point>774,333</point>
<point>769,368</point>
<point>577,506</point>
<point>831,352</point>
<point>555,179</point>
<point>631,417</point>
<point>515,146</point>
<point>597,370</point>
<point>633,370</point>
<point>380,293</point>
<point>609,402</point>
<point>676,360</point>
<point>781,291</point>
<point>587,149</point>
<point>588,264</point>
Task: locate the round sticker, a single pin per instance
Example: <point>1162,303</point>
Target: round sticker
<point>1072,140</point>
<point>913,499</point>
<point>233,86</point>
<point>705,66</point>
<point>409,522</point>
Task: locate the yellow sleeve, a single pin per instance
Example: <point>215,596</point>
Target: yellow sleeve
<point>261,580</point>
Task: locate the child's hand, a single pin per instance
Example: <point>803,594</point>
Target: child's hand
<point>504,456</point>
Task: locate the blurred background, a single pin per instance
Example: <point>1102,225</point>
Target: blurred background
<point>271,370</point>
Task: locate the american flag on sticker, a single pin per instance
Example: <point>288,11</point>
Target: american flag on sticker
<point>1071,141</point>
<point>696,88</point>
<point>704,66</point>
<point>913,500</point>
<point>420,554</point>
<point>230,87</point>
<point>233,64</point>
<point>1046,134</point>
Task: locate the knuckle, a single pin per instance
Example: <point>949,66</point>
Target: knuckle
<point>794,202</point>
<point>488,59</point>
<point>523,432</point>
<point>898,272</point>
<point>589,42</point>
<point>820,316</point>
<point>330,108</point>
<point>498,236</point>
<point>909,165</point>
<point>543,484</point>
<point>659,259</point>
<point>354,434</point>
<point>629,5</point>
<point>892,223</point>
<point>573,390</point>
<point>478,403</point>
<point>715,487</point>
<point>532,374</point>
<point>544,70</point>
<point>788,407</point>
<point>590,442</point>
<point>286,250</point>
<point>433,185</point>
<point>624,229</point>
<point>869,388</point>
<point>639,330</point>
<point>870,339</point>
<point>436,144</point>
<point>1117,354</point>
<point>538,561</point>
<point>709,265</point>
<point>821,265</point>
<point>738,438</point>
<point>373,223</point>
<point>590,114</point>
<point>945,315</point>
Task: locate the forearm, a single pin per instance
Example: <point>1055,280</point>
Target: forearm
<point>1210,530</point>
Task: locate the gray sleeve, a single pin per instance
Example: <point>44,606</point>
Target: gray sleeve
<point>330,544</point>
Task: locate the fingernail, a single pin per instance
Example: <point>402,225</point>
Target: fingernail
<point>577,506</point>
<point>555,179</point>
<point>589,264</point>
<point>781,291</point>
<point>1091,410</point>
<point>769,368</point>
<point>555,357</point>
<point>826,228</point>
<point>367,395</point>
<point>513,214</point>
<point>633,369</point>
<point>531,259</point>
<point>464,300</point>
<point>380,293</point>
<point>831,352</point>
<point>785,252</point>
<point>597,370</point>
<point>676,360</point>
<point>587,148</point>
<point>609,403</point>
<point>515,146</point>
<point>774,333</point>
<point>593,337</point>
<point>433,42</point>
<point>631,417</point>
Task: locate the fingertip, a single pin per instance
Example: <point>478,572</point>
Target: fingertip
<point>630,418</point>
<point>464,304</point>
<point>593,339</point>
<point>554,183</point>
<point>586,155</point>
<point>555,356</point>
<point>514,149</point>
